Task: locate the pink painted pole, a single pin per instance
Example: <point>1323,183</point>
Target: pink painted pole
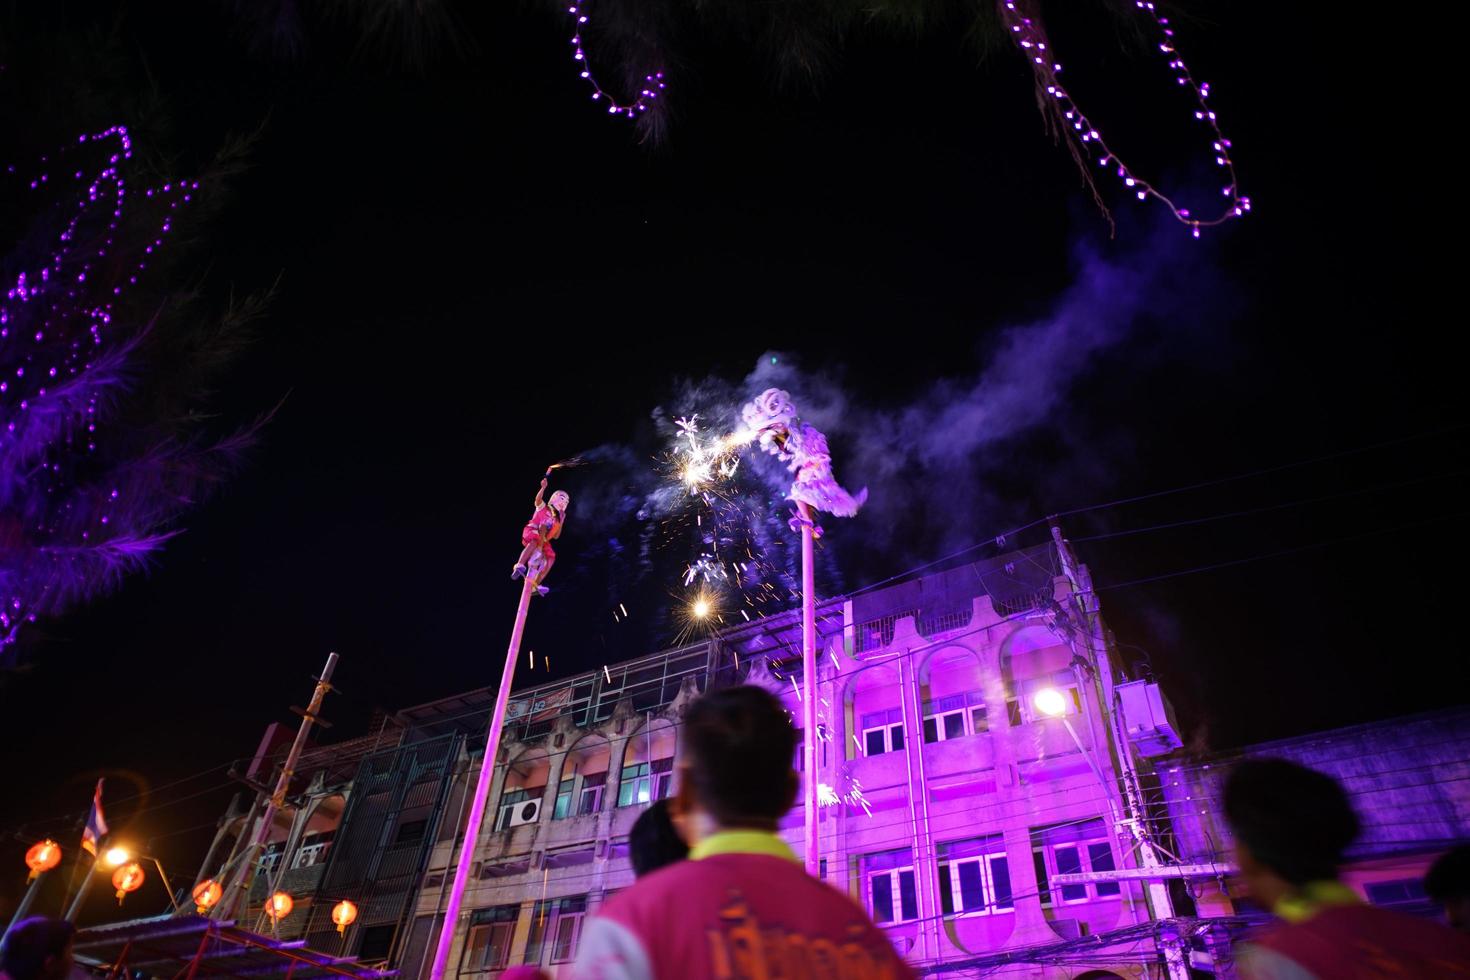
<point>809,681</point>
<point>482,790</point>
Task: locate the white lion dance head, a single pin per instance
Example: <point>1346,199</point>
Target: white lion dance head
<point>772,417</point>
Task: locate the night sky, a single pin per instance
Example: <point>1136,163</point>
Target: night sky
<point>480,273</point>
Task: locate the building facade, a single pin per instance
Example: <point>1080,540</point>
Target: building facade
<point>953,802</point>
<point>983,833</point>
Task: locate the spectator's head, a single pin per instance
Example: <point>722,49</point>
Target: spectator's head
<point>654,841</point>
<point>737,771</point>
<point>1291,826</point>
<point>1448,883</point>
<point>38,949</point>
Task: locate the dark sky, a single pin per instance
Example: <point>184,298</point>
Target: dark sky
<point>481,273</point>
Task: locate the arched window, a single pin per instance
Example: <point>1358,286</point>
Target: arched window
<point>583,778</point>
<point>524,784</point>
<point>648,765</point>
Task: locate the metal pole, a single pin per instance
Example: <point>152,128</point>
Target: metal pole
<point>1087,757</point>
<point>27,901</point>
<point>163,877</point>
<point>246,825</point>
<point>86,886</point>
<point>809,681</point>
<point>245,873</point>
<point>482,790</point>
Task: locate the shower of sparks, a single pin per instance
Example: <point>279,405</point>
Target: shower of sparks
<point>827,796</point>
<point>708,497</point>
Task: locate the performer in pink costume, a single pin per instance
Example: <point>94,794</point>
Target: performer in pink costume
<point>544,527</point>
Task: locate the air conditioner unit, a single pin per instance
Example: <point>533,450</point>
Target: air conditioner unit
<point>524,813</point>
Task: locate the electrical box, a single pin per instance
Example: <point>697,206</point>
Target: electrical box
<point>1148,718</point>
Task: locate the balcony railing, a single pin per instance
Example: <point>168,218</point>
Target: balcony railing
<point>877,634</point>
<point>1014,606</point>
<point>941,623</point>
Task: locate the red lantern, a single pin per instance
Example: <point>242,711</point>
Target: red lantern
<point>128,878</point>
<point>43,857</point>
<point>206,894</point>
<point>279,906</point>
<point>344,913</point>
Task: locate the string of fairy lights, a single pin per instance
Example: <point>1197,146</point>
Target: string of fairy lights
<point>1032,41</point>
<point>652,83</point>
<point>54,337</point>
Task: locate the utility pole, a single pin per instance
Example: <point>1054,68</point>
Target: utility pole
<point>237,893</point>
<point>1096,657</point>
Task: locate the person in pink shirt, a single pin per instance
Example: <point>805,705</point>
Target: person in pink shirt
<point>1292,826</point>
<point>741,906</point>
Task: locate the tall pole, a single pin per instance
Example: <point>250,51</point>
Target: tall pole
<point>1119,748</point>
<point>482,789</point>
<point>244,875</point>
<point>809,681</point>
<point>27,901</point>
<point>86,886</point>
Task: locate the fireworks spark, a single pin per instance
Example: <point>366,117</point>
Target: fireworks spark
<point>827,796</point>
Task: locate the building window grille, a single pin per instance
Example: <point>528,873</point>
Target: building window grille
<point>557,922</point>
<point>891,886</point>
<point>488,944</point>
<point>640,784</point>
<point>1069,849</point>
<point>974,877</point>
<point>956,716</point>
<point>882,731</point>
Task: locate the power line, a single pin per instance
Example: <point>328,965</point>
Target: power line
<point>1268,508</point>
<point>1279,554</point>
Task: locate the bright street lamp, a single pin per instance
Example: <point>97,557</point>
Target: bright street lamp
<point>1050,702</point>
<point>116,857</point>
<point>1053,703</point>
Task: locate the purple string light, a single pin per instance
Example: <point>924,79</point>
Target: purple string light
<point>652,83</point>
<point>54,325</point>
<point>1032,40</point>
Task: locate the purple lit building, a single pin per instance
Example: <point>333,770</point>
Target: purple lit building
<point>984,834</point>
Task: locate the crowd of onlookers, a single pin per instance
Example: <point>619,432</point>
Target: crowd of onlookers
<point>720,895</point>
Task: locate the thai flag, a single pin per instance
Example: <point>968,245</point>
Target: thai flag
<point>96,828</point>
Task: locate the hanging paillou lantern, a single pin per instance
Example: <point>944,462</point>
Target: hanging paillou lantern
<point>344,913</point>
<point>206,894</point>
<point>279,906</point>
<point>42,857</point>
<point>128,878</point>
